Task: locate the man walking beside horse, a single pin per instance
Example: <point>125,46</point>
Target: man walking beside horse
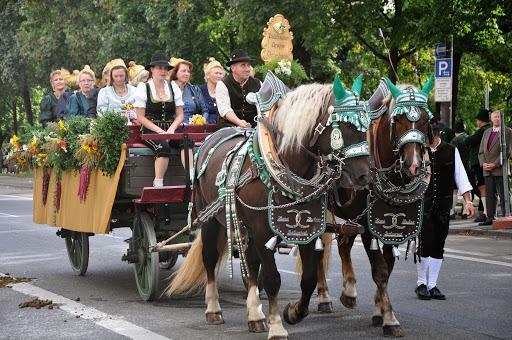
<point>445,159</point>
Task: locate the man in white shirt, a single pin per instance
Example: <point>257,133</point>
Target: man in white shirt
<point>233,108</point>
<point>445,160</point>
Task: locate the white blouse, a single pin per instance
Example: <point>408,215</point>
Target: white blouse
<point>109,100</point>
<point>141,96</point>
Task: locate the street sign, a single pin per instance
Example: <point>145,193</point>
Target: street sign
<point>440,50</point>
<point>443,83</point>
<point>443,68</point>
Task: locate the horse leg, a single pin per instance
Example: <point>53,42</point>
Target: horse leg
<point>349,293</point>
<point>324,299</point>
<point>211,253</point>
<point>255,316</point>
<point>297,311</point>
<point>272,284</point>
<point>383,314</point>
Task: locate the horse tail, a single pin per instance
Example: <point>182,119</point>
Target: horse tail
<point>191,275</point>
<point>327,241</point>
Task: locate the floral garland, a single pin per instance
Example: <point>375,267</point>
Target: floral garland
<point>290,72</point>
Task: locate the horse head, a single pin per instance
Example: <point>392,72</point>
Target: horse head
<point>408,125</point>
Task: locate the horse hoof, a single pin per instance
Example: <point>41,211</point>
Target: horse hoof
<point>392,331</point>
<point>348,302</point>
<point>377,321</point>
<point>258,326</point>
<point>325,307</point>
<point>214,318</point>
<point>298,318</point>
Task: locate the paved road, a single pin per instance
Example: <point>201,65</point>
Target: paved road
<point>476,277</point>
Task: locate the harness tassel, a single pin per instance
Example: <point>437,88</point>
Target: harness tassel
<point>271,244</point>
<point>396,252</point>
<point>319,246</point>
<point>374,245</point>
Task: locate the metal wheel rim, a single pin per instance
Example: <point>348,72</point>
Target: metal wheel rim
<point>78,252</point>
<point>146,270</point>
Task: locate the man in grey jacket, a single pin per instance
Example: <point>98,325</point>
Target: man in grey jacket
<point>489,158</point>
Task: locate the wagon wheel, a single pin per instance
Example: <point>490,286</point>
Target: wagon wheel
<point>146,267</point>
<point>77,245</point>
<point>168,260</point>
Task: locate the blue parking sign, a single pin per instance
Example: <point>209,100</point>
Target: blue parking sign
<point>443,68</point>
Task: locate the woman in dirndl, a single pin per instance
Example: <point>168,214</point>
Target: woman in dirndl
<point>159,108</point>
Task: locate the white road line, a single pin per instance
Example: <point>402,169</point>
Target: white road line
<point>451,250</point>
<point>27,198</point>
<point>19,231</point>
<point>465,258</point>
<point>113,323</point>
<point>288,271</point>
<point>8,215</point>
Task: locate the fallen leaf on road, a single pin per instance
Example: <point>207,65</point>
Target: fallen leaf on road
<point>7,281</point>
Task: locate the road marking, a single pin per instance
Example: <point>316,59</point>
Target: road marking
<point>288,271</point>
<point>465,258</point>
<point>474,259</point>
<point>113,323</point>
<point>451,250</point>
<point>19,231</point>
<point>8,215</point>
<point>25,198</point>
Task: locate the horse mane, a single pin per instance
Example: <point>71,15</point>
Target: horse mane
<point>298,113</point>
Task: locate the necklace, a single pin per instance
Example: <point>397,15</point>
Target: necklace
<point>121,92</point>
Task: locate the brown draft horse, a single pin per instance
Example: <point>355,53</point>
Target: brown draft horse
<point>294,121</point>
<point>387,129</point>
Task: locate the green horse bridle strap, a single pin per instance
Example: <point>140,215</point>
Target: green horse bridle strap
<point>411,136</point>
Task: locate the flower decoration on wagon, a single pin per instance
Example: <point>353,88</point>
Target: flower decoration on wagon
<point>198,120</point>
<point>19,154</point>
<point>89,155</point>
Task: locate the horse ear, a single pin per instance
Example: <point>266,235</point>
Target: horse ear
<point>395,91</point>
<point>338,88</point>
<point>428,85</point>
<point>357,85</point>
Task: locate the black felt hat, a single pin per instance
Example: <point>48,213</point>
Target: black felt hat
<point>483,115</point>
<point>459,127</point>
<point>159,59</point>
<point>238,56</point>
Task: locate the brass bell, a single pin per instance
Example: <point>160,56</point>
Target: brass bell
<point>396,251</point>
<point>271,244</point>
<point>374,245</point>
<point>294,251</point>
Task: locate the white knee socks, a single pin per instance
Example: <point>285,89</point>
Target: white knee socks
<point>434,266</point>
<point>422,268</point>
<point>158,182</point>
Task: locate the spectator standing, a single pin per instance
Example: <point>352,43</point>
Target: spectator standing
<point>458,142</point>
<point>473,144</point>
<point>489,157</point>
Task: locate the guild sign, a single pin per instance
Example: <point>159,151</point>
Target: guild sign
<point>277,40</point>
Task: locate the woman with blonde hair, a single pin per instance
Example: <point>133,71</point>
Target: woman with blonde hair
<point>213,72</point>
<point>53,105</point>
<point>118,95</point>
<point>83,102</point>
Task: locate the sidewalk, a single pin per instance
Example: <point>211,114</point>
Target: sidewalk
<point>10,184</point>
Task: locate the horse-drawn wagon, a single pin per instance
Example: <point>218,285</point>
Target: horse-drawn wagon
<point>156,216</point>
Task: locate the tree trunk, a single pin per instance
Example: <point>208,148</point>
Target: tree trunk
<point>302,55</point>
<point>27,102</point>
<point>457,56</point>
<point>15,116</point>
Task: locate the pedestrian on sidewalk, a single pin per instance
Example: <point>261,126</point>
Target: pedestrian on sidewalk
<point>477,180</point>
<point>489,157</point>
<point>445,160</point>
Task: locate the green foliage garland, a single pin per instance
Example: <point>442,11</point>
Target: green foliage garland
<point>291,73</point>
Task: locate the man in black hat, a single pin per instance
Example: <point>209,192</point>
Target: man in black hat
<point>447,172</point>
<point>234,110</point>
<point>473,144</point>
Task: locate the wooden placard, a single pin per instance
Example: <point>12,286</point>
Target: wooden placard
<point>277,39</point>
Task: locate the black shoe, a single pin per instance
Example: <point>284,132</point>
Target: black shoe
<point>422,292</point>
<point>464,216</point>
<point>452,216</point>
<point>488,221</point>
<point>436,294</point>
<point>481,218</point>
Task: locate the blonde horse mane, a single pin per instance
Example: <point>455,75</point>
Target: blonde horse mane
<point>298,114</point>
